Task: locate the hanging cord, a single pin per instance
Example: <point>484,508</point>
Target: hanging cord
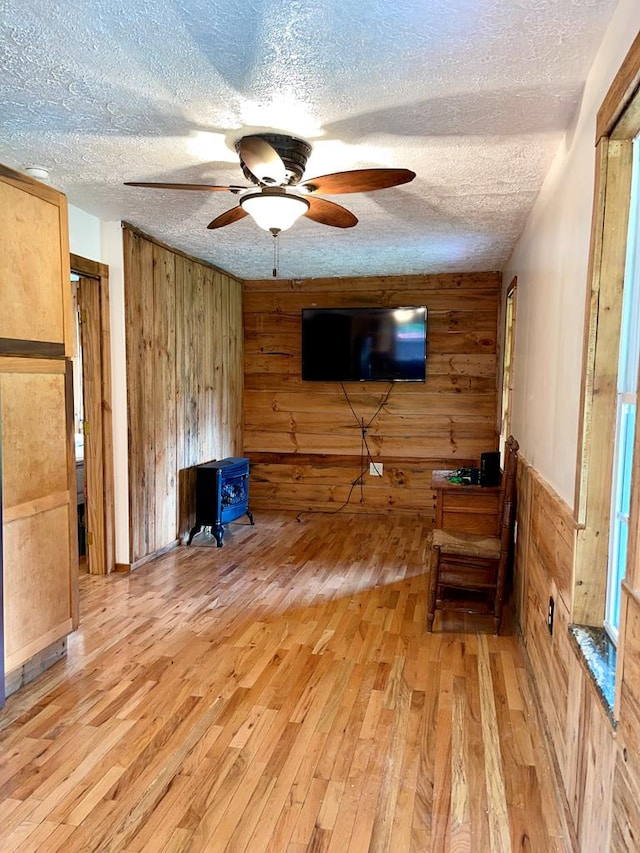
<point>377,411</point>
<point>364,429</point>
<point>364,445</point>
<point>276,251</point>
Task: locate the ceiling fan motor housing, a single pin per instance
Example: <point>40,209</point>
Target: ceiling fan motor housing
<point>293,152</point>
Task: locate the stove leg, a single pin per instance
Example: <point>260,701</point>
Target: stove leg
<point>250,514</point>
<point>218,532</point>
<point>192,533</point>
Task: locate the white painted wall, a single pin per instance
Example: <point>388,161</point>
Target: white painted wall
<point>84,234</point>
<point>102,241</point>
<point>550,260</point>
<point>113,256</point>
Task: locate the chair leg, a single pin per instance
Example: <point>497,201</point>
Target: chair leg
<point>434,571</point>
<point>497,614</point>
<point>499,599</point>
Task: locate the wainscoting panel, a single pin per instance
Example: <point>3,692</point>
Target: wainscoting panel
<point>626,786</point>
<point>579,729</point>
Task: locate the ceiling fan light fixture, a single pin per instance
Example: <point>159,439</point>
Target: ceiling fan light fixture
<point>274,209</point>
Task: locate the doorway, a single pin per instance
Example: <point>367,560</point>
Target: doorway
<point>92,416</point>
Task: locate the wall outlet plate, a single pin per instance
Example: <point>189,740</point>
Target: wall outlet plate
<point>375,469</point>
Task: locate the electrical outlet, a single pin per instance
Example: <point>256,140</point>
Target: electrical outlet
<point>375,469</point>
<point>550,612</point>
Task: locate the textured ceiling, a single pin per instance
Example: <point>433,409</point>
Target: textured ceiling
<point>472,95</point>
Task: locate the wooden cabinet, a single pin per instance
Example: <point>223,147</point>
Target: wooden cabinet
<point>472,509</point>
<point>36,420</point>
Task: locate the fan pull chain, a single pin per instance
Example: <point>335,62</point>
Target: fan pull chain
<point>276,251</point>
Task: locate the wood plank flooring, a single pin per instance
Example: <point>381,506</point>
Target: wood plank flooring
<point>279,694</point>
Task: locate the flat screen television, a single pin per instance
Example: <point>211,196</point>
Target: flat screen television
<point>364,344</point>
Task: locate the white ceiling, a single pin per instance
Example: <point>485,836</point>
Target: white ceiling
<point>472,95</point>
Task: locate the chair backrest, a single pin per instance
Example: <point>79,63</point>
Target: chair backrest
<point>506,502</point>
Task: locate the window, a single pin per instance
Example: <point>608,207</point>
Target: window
<point>626,404</point>
<point>606,491</point>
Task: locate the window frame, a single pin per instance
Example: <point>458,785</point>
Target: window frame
<point>618,123</point>
<point>626,408</point>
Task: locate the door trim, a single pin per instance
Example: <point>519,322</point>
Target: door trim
<point>100,491</point>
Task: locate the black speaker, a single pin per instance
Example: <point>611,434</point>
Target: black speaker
<point>490,468</point>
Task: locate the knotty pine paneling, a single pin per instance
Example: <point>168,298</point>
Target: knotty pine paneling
<point>625,828</point>
<point>304,440</point>
<point>626,785</point>
<point>326,480</point>
<point>184,384</point>
<point>139,295</point>
<point>165,372</point>
<point>579,730</point>
<point>590,758</point>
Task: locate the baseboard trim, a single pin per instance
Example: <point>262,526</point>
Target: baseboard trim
<point>147,559</point>
<point>35,666</point>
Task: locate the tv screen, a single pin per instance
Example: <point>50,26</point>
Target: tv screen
<point>364,344</point>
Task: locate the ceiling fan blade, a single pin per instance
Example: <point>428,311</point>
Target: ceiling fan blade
<point>200,187</point>
<point>228,217</point>
<point>358,181</point>
<point>262,160</point>
<point>330,213</point>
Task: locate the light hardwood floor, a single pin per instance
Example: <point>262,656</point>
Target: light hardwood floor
<point>279,694</point>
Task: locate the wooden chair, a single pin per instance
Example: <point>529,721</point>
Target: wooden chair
<point>468,570</point>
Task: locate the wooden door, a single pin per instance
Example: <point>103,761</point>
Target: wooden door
<point>95,335</point>
<point>90,337</point>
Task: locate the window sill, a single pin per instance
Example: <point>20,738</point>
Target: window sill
<point>598,655</point>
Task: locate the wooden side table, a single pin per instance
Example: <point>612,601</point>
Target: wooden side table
<point>472,509</point>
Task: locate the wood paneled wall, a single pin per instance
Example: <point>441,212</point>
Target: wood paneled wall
<point>580,731</point>
<point>304,441</point>
<point>626,788</point>
<point>184,383</point>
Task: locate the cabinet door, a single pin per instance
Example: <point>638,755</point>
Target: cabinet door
<point>34,267</point>
<point>39,513</point>
<point>38,478</point>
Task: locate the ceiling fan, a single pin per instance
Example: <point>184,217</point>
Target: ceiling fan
<point>274,164</point>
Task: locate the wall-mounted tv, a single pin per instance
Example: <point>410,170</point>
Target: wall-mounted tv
<point>364,344</point>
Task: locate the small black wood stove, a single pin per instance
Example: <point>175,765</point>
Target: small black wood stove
<point>222,495</point>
